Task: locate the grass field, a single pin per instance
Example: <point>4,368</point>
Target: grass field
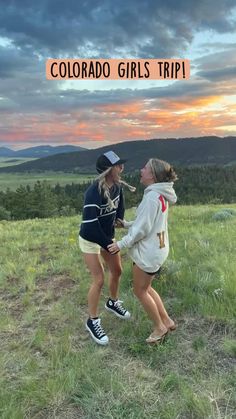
<point>49,366</point>
<point>14,180</point>
<point>13,161</point>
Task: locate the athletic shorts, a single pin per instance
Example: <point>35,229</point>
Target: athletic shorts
<point>89,247</point>
<point>150,273</point>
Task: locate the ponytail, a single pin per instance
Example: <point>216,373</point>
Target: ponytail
<point>171,175</point>
<point>130,187</point>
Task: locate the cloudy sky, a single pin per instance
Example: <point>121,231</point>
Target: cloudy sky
<point>95,113</point>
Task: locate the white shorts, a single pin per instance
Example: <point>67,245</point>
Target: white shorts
<point>89,247</point>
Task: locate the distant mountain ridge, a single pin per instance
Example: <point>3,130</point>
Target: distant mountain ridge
<point>183,151</point>
<point>6,152</point>
<point>39,151</point>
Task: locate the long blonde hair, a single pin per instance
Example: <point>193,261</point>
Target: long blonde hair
<point>162,171</point>
<point>103,186</point>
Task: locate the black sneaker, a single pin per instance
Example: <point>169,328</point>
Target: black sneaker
<point>115,307</point>
<point>96,331</point>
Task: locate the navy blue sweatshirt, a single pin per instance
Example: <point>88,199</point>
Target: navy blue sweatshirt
<point>98,219</point>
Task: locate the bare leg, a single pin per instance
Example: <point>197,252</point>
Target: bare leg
<point>141,283</point>
<point>96,269</point>
<point>114,265</point>
<point>168,322</point>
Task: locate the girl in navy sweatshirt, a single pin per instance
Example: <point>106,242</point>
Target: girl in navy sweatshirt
<point>103,205</point>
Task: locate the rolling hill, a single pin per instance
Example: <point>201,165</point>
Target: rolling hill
<point>6,152</point>
<point>39,151</point>
<point>183,151</point>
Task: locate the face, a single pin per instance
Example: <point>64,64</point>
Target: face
<point>116,172</point>
<point>146,176</point>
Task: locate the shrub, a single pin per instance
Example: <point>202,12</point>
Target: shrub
<point>4,214</point>
<point>222,215</point>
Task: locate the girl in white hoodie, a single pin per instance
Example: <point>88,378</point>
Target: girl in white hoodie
<point>148,242</point>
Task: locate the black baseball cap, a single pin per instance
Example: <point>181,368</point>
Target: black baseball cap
<point>106,160</point>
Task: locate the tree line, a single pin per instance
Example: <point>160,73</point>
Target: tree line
<point>196,185</point>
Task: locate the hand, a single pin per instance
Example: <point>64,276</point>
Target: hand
<point>113,248</point>
<point>119,223</point>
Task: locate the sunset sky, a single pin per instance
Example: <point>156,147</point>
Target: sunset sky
<point>95,113</point>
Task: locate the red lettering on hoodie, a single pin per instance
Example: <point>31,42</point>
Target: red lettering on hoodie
<point>163,204</point>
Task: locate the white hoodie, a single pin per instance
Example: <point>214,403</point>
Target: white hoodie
<point>147,238</point>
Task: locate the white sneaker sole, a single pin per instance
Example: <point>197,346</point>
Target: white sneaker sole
<point>103,343</point>
<point>117,314</point>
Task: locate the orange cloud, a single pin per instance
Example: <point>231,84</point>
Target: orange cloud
<point>188,103</point>
<point>112,123</point>
<point>121,108</point>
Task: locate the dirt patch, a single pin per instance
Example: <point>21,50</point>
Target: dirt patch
<point>42,251</point>
<point>48,290</point>
<point>7,337</point>
<point>52,288</point>
<point>12,304</point>
<point>12,280</point>
<point>16,309</point>
<point>7,296</point>
<point>58,283</point>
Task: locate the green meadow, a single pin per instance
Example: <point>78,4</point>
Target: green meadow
<point>14,180</point>
<point>13,161</point>
<point>50,367</point>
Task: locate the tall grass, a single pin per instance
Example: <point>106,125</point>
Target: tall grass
<point>52,369</point>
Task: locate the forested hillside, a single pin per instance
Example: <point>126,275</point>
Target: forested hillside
<point>182,151</point>
<point>196,185</point>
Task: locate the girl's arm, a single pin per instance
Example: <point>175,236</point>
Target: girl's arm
<point>141,226</point>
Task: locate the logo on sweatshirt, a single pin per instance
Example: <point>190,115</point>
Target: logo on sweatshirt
<point>163,204</point>
<point>161,239</point>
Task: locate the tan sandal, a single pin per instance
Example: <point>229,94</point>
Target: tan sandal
<point>156,339</point>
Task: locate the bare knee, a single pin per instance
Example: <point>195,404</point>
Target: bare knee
<point>116,272</point>
<point>114,264</point>
<point>98,281</point>
<point>141,282</point>
<point>138,291</point>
